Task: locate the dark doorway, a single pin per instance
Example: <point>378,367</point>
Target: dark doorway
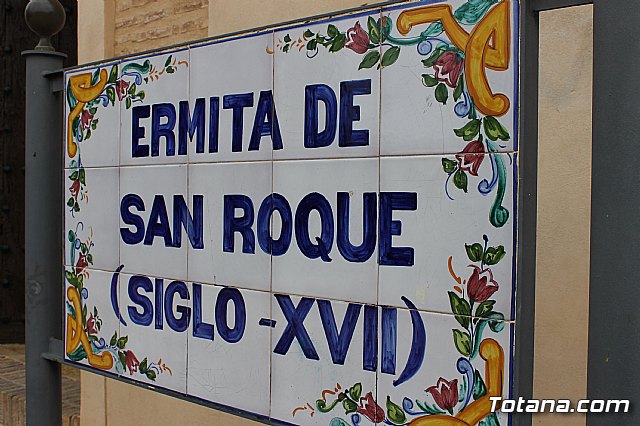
<point>15,37</point>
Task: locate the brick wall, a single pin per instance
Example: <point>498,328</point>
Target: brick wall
<point>147,24</point>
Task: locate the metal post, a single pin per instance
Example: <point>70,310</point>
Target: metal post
<point>527,207</point>
<point>43,216</point>
<point>614,319</point>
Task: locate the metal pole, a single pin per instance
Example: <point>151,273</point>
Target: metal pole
<point>43,216</point>
<point>527,207</point>
<point>614,319</point>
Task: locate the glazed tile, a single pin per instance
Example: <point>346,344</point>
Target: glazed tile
<point>156,314</point>
<point>91,217</point>
<point>302,378</point>
<point>235,95</point>
<point>147,249</point>
<point>311,186</point>
<point>236,257</point>
<point>88,301</point>
<point>428,259</point>
<point>461,372</point>
<point>328,103</point>
<point>92,117</point>
<point>145,108</point>
<point>420,106</point>
<point>229,352</point>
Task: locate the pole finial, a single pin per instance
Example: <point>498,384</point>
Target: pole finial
<point>45,18</point>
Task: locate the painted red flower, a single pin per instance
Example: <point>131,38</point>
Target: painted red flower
<point>86,118</point>
<point>470,158</point>
<point>450,66</point>
<point>481,285</point>
<point>357,39</point>
<point>121,89</point>
<point>445,394</point>
<point>91,325</point>
<point>370,409</point>
<point>75,188</point>
<point>81,263</point>
<point>131,361</point>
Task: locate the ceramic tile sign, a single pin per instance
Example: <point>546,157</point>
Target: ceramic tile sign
<point>313,224</point>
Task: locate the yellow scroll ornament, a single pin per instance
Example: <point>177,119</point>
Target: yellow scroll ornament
<point>487,46</point>
<point>76,335</point>
<point>84,93</point>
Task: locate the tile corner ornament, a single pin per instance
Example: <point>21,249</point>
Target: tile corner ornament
<point>313,224</point>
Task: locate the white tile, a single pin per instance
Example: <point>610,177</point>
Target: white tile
<point>92,117</point>
<point>438,229</point>
<point>413,118</point>
<point>325,92</point>
<point>152,89</point>
<point>229,352</point>
<point>299,378</point>
<point>91,218</point>
<point>90,321</point>
<point>310,185</point>
<point>233,81</point>
<point>157,313</point>
<point>439,363</point>
<point>145,246</point>
<point>232,257</point>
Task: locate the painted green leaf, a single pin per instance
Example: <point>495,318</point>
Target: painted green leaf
<point>469,131</point>
<point>83,248</point>
<point>114,339</point>
<point>171,70</point>
<point>338,43</point>
<point>73,176</point>
<point>113,75</point>
<point>122,342</point>
<point>370,59</point>
<point>460,180</point>
<point>431,60</point>
<point>332,30</point>
<point>111,94</point>
<point>474,251</point>
<point>385,27</point>
<point>80,280</point>
<point>84,315</point>
<point>395,413</point>
<point>479,388</point>
<point>90,258</point>
<point>312,45</point>
<point>458,91</point>
<point>81,176</point>
<point>349,406</point>
<point>287,39</point>
<point>472,11</point>
<point>70,203</point>
<point>143,366</point>
<point>429,80</point>
<point>132,89</point>
<point>491,420</point>
<point>141,95</point>
<point>442,94</point>
<point>95,77</point>
<point>449,166</point>
<point>494,255</point>
<point>494,130</point>
<point>93,110</point>
<point>76,207</point>
<point>355,392</point>
<point>122,358</point>
<point>71,236</point>
<point>390,56</point>
<point>485,307</point>
<point>461,309</point>
<point>88,135</point>
<point>374,30</point>
<point>462,342</point>
<point>433,29</point>
<point>168,61</point>
<point>308,33</point>
<point>127,102</point>
<point>151,375</point>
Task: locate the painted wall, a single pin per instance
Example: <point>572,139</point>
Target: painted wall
<point>105,29</point>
